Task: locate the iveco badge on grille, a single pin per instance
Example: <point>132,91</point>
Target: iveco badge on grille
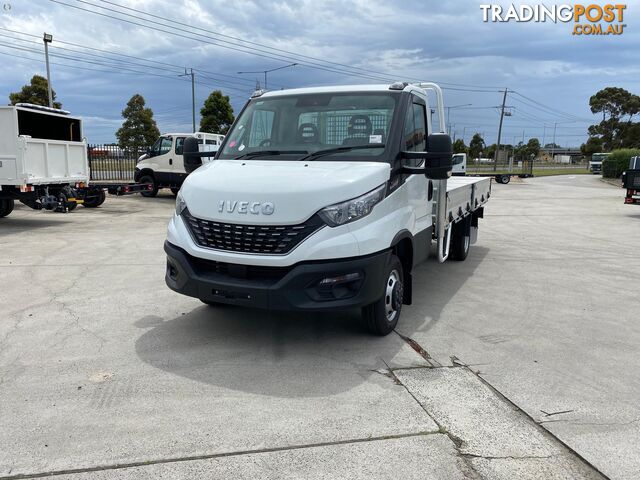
<point>255,208</point>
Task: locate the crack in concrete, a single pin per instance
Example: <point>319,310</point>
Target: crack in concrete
<point>144,463</point>
<point>419,350</point>
<point>511,457</point>
<point>458,442</point>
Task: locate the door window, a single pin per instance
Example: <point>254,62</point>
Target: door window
<point>179,145</point>
<point>415,132</point>
<point>165,145</point>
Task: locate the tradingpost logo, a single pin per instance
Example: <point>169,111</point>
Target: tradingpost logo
<point>589,19</point>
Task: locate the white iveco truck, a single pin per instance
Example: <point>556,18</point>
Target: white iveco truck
<point>321,199</point>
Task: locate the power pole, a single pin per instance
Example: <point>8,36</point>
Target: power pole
<point>495,160</point>
<point>48,38</point>
<point>193,96</point>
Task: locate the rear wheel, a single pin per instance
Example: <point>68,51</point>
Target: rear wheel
<point>66,194</point>
<point>6,207</point>
<point>381,317</point>
<point>460,240</point>
<point>96,199</point>
<point>154,190</point>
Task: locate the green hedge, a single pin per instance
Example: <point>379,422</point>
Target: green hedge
<point>618,162</point>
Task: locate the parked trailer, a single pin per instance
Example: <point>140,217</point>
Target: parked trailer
<point>501,174</point>
<point>300,212</point>
<point>631,182</point>
<point>43,162</point>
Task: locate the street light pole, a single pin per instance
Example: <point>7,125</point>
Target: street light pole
<point>265,72</point>
<point>47,39</point>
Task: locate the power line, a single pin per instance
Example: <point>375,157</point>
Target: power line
<point>174,69</point>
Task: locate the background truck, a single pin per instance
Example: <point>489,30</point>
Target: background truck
<point>163,166</point>
<point>43,161</point>
<point>595,164</point>
<point>322,199</point>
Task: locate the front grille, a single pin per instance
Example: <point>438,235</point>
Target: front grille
<point>232,237</point>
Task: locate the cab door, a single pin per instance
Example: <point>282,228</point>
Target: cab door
<point>414,139</point>
<point>163,161</point>
<point>178,172</point>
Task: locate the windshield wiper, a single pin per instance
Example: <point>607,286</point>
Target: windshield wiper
<point>329,151</point>
<point>268,152</point>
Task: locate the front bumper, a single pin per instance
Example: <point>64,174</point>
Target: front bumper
<point>279,288</point>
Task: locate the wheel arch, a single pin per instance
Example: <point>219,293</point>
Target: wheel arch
<point>402,247</point>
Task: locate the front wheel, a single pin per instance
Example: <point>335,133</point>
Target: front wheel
<point>154,189</point>
<point>6,207</point>
<point>381,317</point>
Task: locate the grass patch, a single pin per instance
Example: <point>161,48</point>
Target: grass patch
<point>560,171</point>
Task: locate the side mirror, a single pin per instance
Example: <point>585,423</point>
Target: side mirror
<point>439,157</point>
<point>190,154</point>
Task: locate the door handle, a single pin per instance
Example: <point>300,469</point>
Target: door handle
<point>171,161</point>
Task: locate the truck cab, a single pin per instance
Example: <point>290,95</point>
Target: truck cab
<point>163,164</point>
<point>459,164</point>
<point>595,164</point>
<point>323,199</point>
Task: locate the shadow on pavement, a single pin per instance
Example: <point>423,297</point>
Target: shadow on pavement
<point>286,354</point>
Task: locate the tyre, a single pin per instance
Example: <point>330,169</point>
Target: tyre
<point>6,207</point>
<point>460,240</point>
<point>381,317</point>
<point>149,179</point>
<point>175,190</point>
<point>506,179</point>
<point>96,199</point>
<point>66,193</point>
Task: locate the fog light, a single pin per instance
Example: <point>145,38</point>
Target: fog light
<point>172,271</point>
<point>349,277</point>
<point>337,287</point>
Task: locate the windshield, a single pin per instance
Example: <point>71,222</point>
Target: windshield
<point>290,127</point>
<point>598,157</point>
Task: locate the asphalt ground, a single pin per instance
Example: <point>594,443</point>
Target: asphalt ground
<point>518,363</point>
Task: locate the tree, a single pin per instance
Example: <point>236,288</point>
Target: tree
<point>490,151</point>
<point>591,146</point>
<point>614,104</point>
<point>532,149</point>
<point>217,113</point>
<point>476,146</point>
<point>139,129</point>
<point>36,92</point>
<point>459,146</point>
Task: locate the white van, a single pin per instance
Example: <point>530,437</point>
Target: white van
<point>163,165</point>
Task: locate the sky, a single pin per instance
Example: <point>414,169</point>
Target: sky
<point>98,62</point>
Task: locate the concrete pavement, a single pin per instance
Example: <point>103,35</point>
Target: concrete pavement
<point>107,373</point>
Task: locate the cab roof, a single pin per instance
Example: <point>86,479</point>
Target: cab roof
<point>398,86</point>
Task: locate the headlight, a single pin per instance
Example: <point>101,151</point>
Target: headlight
<point>354,209</point>
<point>180,204</point>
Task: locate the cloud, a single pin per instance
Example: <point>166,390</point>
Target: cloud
<point>439,41</point>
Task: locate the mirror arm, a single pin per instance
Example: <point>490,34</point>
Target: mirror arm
<point>412,170</point>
